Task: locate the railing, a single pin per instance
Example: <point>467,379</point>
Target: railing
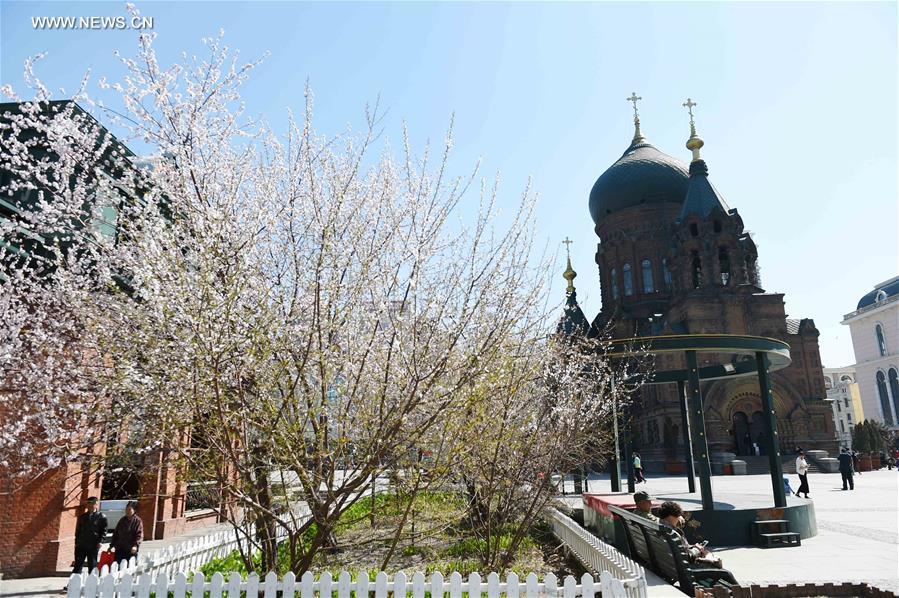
<point>203,495</point>
<point>306,586</point>
<point>599,557</point>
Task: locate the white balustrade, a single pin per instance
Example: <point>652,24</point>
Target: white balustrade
<point>598,557</point>
<point>179,585</point>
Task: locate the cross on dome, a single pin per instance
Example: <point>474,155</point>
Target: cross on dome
<point>638,136</point>
<point>569,273</point>
<point>694,143</point>
<point>635,98</point>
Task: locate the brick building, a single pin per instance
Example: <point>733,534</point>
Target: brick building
<point>674,258</point>
<point>38,515</point>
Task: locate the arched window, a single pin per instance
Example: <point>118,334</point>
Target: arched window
<point>646,268</point>
<point>884,399</point>
<point>696,267</point>
<point>881,342</point>
<point>666,274</point>
<point>717,226</point>
<point>694,230</point>
<point>724,265</point>
<point>628,280</point>
<point>614,284</point>
<point>894,388</point>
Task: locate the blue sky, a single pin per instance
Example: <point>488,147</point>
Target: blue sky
<point>797,106</point>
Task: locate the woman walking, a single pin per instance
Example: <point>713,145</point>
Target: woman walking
<point>638,469</point>
<point>802,470</point>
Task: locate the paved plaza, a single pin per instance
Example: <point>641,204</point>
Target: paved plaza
<point>858,531</point>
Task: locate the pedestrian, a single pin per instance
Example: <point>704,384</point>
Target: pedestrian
<point>638,469</point>
<point>802,470</point>
<point>846,469</point>
<point>643,501</point>
<point>128,534</point>
<point>855,466</point>
<point>89,531</point>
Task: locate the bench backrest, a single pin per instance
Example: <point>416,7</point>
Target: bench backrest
<point>658,547</point>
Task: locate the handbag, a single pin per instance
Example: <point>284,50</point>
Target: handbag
<point>107,558</point>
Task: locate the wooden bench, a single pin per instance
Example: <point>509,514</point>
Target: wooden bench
<point>660,549</point>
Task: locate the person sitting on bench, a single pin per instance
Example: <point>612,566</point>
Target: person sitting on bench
<point>672,515</point>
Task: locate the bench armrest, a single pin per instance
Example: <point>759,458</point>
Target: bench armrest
<point>713,575</point>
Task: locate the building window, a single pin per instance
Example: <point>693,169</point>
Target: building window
<point>846,403</point>
<point>696,267</point>
<point>694,230</point>
<point>838,407</point>
<point>884,399</point>
<point>724,265</point>
<point>614,284</point>
<point>842,427</point>
<point>646,267</point>
<point>881,342</point>
<point>666,274</point>
<point>717,226</point>
<point>894,388</point>
<point>628,280</point>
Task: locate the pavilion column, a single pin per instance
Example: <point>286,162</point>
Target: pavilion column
<point>700,440</point>
<point>688,443</point>
<point>772,443</point>
<point>615,472</point>
<point>629,459</point>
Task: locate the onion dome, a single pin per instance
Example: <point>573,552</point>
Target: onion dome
<point>642,175</point>
<point>881,293</point>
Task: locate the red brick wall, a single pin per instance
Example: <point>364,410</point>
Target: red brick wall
<point>37,521</point>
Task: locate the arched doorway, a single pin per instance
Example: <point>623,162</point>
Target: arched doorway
<point>742,443</point>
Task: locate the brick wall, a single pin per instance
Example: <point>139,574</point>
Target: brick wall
<point>808,590</point>
<point>37,521</point>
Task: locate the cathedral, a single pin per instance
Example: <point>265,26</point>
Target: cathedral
<point>674,258</point>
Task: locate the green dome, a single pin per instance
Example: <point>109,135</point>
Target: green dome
<point>642,175</point>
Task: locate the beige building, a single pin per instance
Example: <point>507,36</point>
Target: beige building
<point>874,326</point>
<point>846,401</point>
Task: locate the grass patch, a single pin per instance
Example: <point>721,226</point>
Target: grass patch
<point>440,541</point>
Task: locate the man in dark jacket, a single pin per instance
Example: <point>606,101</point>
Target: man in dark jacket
<point>845,460</point>
<point>128,534</point>
<point>89,532</point>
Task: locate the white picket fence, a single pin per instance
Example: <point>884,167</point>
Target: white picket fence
<point>141,586</point>
<point>599,557</point>
<point>187,556</point>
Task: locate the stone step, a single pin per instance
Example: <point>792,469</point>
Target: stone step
<point>780,539</point>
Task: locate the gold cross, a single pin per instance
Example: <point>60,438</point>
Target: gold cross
<point>567,242</point>
<point>634,97</point>
<point>689,106</point>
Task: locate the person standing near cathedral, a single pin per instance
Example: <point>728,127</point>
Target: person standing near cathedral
<point>638,469</point>
<point>846,469</point>
<point>89,532</point>
<point>802,471</point>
